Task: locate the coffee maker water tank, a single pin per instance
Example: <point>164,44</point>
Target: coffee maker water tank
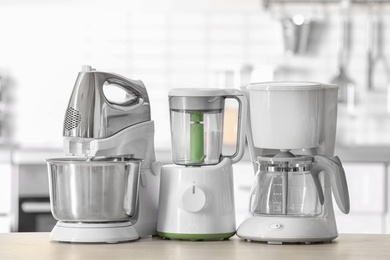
<point>303,115</point>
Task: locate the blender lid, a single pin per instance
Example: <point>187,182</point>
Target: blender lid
<point>288,86</point>
<point>206,101</point>
<point>201,92</point>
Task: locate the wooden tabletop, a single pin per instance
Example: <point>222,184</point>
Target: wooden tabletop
<point>37,246</point>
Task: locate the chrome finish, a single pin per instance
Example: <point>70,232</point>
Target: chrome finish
<point>91,115</point>
<point>297,164</point>
<point>102,190</point>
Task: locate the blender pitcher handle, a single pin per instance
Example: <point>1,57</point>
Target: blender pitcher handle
<point>334,168</point>
<point>242,117</point>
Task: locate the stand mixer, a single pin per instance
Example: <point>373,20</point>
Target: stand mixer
<point>291,138</point>
<point>107,191</point>
<point>196,193</point>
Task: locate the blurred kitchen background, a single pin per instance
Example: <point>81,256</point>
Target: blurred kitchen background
<point>182,43</point>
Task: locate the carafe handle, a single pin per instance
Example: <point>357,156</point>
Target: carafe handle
<point>241,125</point>
<point>333,167</point>
<point>317,182</point>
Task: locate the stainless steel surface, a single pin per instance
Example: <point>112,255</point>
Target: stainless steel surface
<point>91,115</point>
<point>93,191</point>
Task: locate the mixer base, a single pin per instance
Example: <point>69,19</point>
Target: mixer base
<point>93,232</point>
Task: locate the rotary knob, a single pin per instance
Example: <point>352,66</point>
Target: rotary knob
<point>193,199</point>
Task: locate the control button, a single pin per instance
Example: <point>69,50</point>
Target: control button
<point>193,199</point>
<point>276,226</point>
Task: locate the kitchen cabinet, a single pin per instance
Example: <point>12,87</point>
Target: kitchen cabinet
<point>5,190</point>
<point>31,211</point>
<point>367,191</point>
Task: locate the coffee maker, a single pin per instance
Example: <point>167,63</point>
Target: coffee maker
<point>107,189</point>
<point>291,137</point>
<point>196,192</point>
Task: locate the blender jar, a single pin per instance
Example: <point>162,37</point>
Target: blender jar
<point>196,136</point>
<point>196,129</point>
<point>285,186</point>
<point>197,125</point>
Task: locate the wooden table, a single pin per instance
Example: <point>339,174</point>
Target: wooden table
<point>37,246</point>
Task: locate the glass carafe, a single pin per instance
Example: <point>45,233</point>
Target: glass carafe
<point>285,186</point>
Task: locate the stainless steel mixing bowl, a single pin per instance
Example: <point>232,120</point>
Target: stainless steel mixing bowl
<point>104,190</point>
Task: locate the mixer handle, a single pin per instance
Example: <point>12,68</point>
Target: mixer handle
<point>134,88</point>
<point>333,167</point>
<point>242,117</point>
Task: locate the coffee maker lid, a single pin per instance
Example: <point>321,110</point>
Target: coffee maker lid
<point>287,86</point>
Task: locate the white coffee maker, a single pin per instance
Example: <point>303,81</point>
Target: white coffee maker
<point>291,137</point>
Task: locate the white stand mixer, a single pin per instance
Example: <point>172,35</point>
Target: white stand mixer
<point>111,136</point>
<point>291,137</point>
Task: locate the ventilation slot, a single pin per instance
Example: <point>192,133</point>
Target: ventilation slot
<point>72,118</point>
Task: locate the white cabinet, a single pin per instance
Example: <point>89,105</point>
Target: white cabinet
<point>5,197</point>
<point>5,188</point>
<point>5,226</point>
<point>367,192</point>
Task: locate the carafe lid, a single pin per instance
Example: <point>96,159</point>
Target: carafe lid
<point>300,163</point>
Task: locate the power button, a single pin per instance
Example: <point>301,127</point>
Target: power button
<point>276,226</point>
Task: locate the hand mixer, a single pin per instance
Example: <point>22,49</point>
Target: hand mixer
<point>110,193</point>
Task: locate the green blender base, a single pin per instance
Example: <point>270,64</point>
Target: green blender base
<point>219,236</point>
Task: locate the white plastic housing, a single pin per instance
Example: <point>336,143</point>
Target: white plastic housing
<point>286,115</point>
<point>197,200</point>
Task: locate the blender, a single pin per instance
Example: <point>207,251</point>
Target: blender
<point>196,192</point>
<point>291,138</point>
<point>106,191</point>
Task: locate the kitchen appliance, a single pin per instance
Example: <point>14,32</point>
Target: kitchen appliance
<point>108,190</point>
<point>196,192</point>
<point>291,138</point>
